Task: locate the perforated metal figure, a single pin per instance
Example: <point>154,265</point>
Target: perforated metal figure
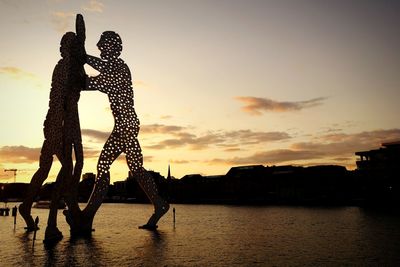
<point>61,132</point>
<point>72,130</point>
<point>115,81</point>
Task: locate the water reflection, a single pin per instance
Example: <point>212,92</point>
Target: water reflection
<point>51,254</point>
<point>218,235</point>
<point>149,250</point>
<point>84,252</point>
<point>153,249</point>
<point>75,251</point>
<point>25,241</point>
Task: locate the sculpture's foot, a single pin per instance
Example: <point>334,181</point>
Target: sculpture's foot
<point>85,228</point>
<point>80,224</point>
<point>26,215</point>
<point>52,235</point>
<point>148,227</point>
<point>161,207</point>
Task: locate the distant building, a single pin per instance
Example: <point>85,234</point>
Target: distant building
<point>384,158</point>
<point>120,190</point>
<point>89,175</point>
<point>86,186</point>
<point>241,171</point>
<point>379,170</point>
<point>13,191</point>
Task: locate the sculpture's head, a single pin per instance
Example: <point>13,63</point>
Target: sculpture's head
<point>68,45</point>
<point>110,45</point>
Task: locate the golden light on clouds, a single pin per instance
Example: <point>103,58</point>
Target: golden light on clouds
<point>93,6</point>
<point>62,21</point>
<point>16,73</point>
<point>257,105</point>
<point>19,154</point>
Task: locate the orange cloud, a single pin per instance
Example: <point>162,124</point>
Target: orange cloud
<point>16,73</point>
<point>329,148</point>
<point>250,137</point>
<point>93,6</point>
<point>98,136</point>
<point>180,161</point>
<point>342,144</point>
<point>140,83</point>
<point>62,21</point>
<point>19,154</point>
<point>232,149</point>
<point>89,152</point>
<point>256,105</point>
<point>269,157</point>
<point>182,138</point>
<point>165,117</point>
<point>160,129</point>
<point>23,154</point>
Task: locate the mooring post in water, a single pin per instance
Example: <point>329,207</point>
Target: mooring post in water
<point>14,214</point>
<point>34,231</point>
<point>173,211</point>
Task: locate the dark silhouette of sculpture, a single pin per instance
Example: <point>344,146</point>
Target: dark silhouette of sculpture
<point>61,132</point>
<point>115,81</point>
<point>63,135</point>
<point>73,139</point>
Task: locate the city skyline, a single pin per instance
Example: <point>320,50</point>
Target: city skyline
<point>217,84</point>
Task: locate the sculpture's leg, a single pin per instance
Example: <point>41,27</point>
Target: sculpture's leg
<point>77,173</point>
<point>46,160</point>
<point>72,185</point>
<point>109,153</point>
<point>134,159</point>
<point>52,233</point>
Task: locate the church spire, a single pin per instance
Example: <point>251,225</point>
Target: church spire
<point>169,173</point>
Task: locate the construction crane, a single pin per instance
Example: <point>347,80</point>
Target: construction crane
<point>15,173</point>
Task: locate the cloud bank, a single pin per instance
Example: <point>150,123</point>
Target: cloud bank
<point>97,136</point>
<point>256,105</point>
<point>62,21</point>
<point>93,6</point>
<point>19,154</point>
<point>332,148</point>
<point>338,148</point>
<point>180,137</point>
<point>16,72</point>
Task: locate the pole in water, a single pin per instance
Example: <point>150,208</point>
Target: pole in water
<point>14,214</point>
<point>34,231</point>
<point>173,211</point>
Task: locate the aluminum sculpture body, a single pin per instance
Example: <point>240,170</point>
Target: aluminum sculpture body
<point>62,133</point>
<point>115,80</point>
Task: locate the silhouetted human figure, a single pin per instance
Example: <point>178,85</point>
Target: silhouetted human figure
<point>115,81</point>
<point>61,132</point>
<point>72,130</point>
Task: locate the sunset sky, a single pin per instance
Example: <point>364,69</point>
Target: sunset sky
<point>217,83</point>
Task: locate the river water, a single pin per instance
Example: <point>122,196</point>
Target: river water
<point>214,235</point>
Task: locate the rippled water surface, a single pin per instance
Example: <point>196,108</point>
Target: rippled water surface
<point>213,235</point>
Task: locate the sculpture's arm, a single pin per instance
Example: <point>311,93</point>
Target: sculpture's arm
<point>95,62</point>
<point>92,83</point>
<point>95,82</point>
<point>82,79</point>
<point>81,37</point>
<point>80,29</point>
